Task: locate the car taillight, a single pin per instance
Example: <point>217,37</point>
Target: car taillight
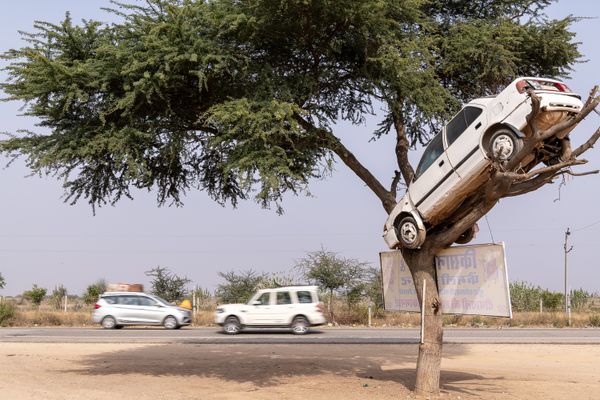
<point>535,84</point>
<point>320,308</point>
<point>97,306</point>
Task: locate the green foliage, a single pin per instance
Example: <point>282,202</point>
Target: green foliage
<point>2,282</point>
<point>8,311</point>
<point>579,299</point>
<point>93,292</point>
<point>167,285</point>
<point>35,295</point>
<point>58,296</point>
<point>526,297</point>
<point>239,286</point>
<point>233,97</point>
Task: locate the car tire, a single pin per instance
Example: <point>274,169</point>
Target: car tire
<point>503,145</point>
<point>170,322</point>
<point>466,236</point>
<point>407,232</point>
<point>300,325</point>
<point>109,322</point>
<point>232,325</point>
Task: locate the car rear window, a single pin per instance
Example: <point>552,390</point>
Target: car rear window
<point>110,299</point>
<point>304,296</point>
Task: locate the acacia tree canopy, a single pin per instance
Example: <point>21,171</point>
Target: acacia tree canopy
<point>241,98</point>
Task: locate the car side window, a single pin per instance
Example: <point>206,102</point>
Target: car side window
<point>146,301</point>
<point>264,299</point>
<point>110,299</point>
<point>432,152</point>
<point>284,298</point>
<point>304,297</point>
<point>461,122</point>
<point>128,300</point>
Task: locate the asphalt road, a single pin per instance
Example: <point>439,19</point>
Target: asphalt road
<point>316,336</point>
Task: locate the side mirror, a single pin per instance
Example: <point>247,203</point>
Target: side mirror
<point>256,303</point>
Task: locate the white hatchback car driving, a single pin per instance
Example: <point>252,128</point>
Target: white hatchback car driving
<point>295,307</point>
<point>456,160</point>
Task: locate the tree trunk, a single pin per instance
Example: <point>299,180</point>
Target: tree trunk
<point>422,266</point>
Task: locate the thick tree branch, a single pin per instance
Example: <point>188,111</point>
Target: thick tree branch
<point>330,141</point>
<point>402,148</point>
<point>587,145</point>
<point>517,177</point>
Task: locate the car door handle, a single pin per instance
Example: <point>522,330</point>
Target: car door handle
<point>441,163</point>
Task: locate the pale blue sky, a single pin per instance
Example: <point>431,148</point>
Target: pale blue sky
<point>47,242</point>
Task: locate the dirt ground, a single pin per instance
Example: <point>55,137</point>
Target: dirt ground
<point>190,371</point>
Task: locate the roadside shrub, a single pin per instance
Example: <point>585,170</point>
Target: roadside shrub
<point>8,312</point>
<point>36,295</point>
<point>594,320</point>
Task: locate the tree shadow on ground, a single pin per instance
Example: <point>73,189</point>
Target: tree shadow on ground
<point>269,364</point>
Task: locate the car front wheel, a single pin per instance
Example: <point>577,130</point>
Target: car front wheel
<point>300,325</point>
<point>170,322</point>
<point>408,232</point>
<point>232,326</point>
<point>503,145</point>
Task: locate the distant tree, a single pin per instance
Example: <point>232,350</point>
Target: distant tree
<point>374,288</point>
<point>36,295</point>
<point>239,286</point>
<point>579,299</point>
<point>57,296</point>
<point>333,273</point>
<point>93,292</point>
<point>2,281</point>
<point>166,284</point>
<point>524,296</point>
<point>552,300</point>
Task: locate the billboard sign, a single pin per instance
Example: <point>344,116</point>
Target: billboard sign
<point>471,280</point>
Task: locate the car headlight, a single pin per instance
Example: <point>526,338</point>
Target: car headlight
<point>220,310</point>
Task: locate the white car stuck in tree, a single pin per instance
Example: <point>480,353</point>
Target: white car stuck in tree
<point>458,159</point>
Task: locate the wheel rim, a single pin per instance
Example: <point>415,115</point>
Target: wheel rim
<point>300,327</point>
<point>502,147</point>
<point>408,232</point>
<point>108,323</point>
<point>231,327</point>
<point>170,323</point>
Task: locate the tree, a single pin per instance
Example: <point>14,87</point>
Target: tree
<point>333,273</point>
<point>239,286</point>
<point>93,292</point>
<point>36,295</point>
<point>58,295</point>
<point>241,99</point>
<point>2,282</point>
<point>167,285</point>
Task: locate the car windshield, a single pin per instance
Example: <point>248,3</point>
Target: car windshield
<point>432,152</point>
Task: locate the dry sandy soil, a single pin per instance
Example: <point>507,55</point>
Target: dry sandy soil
<point>189,371</point>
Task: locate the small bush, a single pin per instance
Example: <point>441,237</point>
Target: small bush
<point>8,312</point>
<point>594,320</point>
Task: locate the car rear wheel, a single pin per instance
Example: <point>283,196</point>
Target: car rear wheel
<point>503,145</point>
<point>170,322</point>
<point>232,326</point>
<point>109,322</point>
<point>408,232</point>
<point>300,325</point>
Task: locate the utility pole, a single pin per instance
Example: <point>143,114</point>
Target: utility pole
<point>567,293</point>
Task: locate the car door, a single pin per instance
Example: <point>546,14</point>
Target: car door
<point>463,134</point>
<point>260,310</point>
<point>149,311</point>
<point>434,178</point>
<point>127,309</point>
<point>283,309</point>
